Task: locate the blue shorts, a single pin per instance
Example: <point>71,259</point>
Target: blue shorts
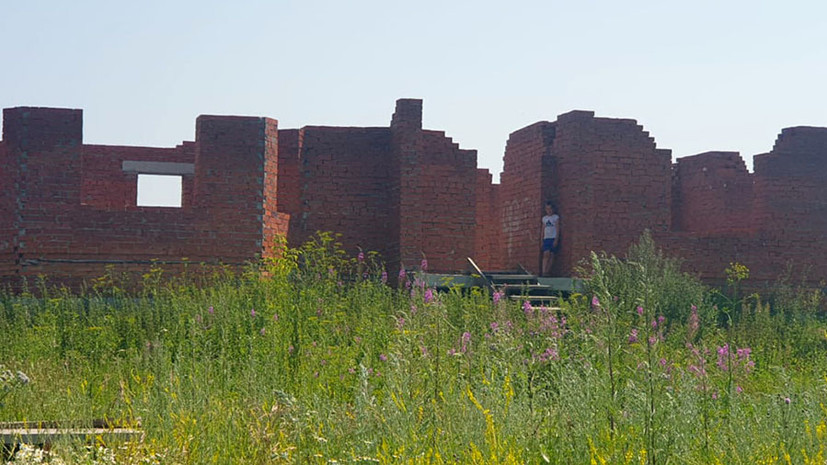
<point>548,244</point>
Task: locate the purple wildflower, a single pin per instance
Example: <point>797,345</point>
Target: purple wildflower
<point>424,264</point>
<point>787,400</point>
<point>640,310</point>
<point>383,357</point>
<point>528,309</point>
<point>465,340</point>
<point>211,310</point>
<point>633,336</point>
<point>384,277</point>
<point>699,371</point>
<point>402,274</point>
<point>429,295</point>
<point>263,331</point>
<point>723,357</point>
<point>253,312</point>
<point>497,296</point>
<point>360,257</point>
<point>694,323</point>
<point>595,302</point>
<point>400,323</point>
<point>549,354</point>
<point>275,317</point>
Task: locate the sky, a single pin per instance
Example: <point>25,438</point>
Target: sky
<point>698,75</point>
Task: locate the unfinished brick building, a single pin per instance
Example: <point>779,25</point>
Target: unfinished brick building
<point>68,210</point>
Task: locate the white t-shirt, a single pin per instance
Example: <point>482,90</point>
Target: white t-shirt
<point>550,226</point>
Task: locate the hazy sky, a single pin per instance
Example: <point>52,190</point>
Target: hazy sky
<point>699,75</point>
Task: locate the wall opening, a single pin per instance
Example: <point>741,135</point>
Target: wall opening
<point>156,190</point>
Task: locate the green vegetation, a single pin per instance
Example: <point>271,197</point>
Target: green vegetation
<point>313,359</point>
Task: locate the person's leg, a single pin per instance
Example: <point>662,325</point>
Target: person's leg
<point>546,263</point>
<point>547,271</point>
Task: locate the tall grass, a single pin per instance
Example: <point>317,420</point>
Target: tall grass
<point>313,359</point>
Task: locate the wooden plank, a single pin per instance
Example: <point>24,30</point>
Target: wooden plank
<point>38,436</point>
<point>479,271</point>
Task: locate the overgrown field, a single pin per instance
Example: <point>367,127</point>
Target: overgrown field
<point>321,362</point>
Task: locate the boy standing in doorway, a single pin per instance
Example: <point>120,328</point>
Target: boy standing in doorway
<point>551,237</point>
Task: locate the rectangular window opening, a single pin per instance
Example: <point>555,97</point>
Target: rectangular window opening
<point>157,190</point>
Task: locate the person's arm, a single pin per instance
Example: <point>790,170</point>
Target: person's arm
<point>557,238</point>
<point>542,231</point>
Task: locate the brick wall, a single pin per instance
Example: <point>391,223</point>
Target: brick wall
<point>68,210</point>
<point>106,185</point>
<point>76,205</point>
<point>344,186</point>
<point>790,191</point>
<point>522,196</point>
<point>711,192</point>
<point>436,191</point>
<point>488,227</point>
<point>610,182</point>
<point>8,212</point>
<point>276,222</point>
<point>621,182</point>
<point>770,220</point>
<point>288,180</point>
<point>606,177</point>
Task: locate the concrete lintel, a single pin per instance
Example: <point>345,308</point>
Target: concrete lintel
<point>158,167</point>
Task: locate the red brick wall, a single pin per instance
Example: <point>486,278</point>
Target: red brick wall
<point>68,209</point>
<point>623,185</point>
<point>488,232</point>
<point>344,186</point>
<point>288,179</point>
<point>406,124</point>
<point>606,177</point>
<point>8,212</point>
<point>790,189</point>
<point>69,231</point>
<point>436,192</point>
<point>521,194</point>
<point>104,183</point>
<point>229,183</point>
<point>610,183</point>
<point>276,221</point>
<point>711,192</point>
